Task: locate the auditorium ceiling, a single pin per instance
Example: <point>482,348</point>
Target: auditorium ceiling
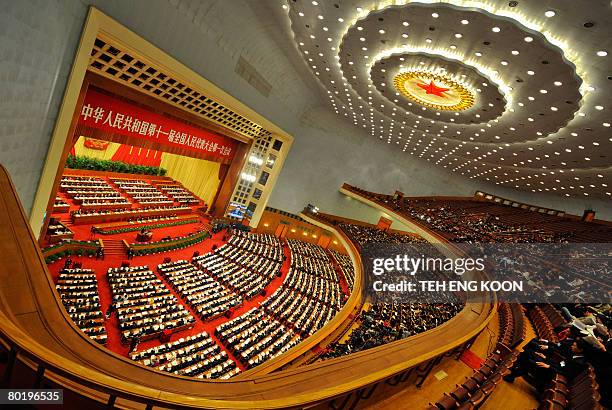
<point>511,92</point>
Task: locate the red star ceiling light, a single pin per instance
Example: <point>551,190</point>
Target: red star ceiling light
<point>431,88</point>
<point>435,91</point>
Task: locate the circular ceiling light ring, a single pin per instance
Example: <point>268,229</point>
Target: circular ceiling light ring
<point>426,92</point>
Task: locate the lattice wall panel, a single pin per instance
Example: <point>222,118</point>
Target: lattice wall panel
<point>112,62</point>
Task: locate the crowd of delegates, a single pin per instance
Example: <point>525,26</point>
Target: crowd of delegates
<point>256,337</point>
<point>199,289</point>
<point>580,346</point>
<point>196,356</point>
<point>548,274</point>
<point>142,192</point>
<point>132,213</point>
<point>387,322</point>
<point>361,235</point>
<point>144,305</point>
<point>78,290</point>
<point>59,205</point>
<point>552,272</point>
<point>179,194</point>
<point>348,269</point>
<point>92,192</point>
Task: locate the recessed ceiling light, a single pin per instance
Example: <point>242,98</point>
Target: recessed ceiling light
<point>504,62</point>
<point>478,54</point>
<point>285,7</point>
<point>528,39</point>
<point>381,31</point>
<point>340,19</point>
<point>602,53</point>
<point>405,24</point>
<point>458,35</point>
<point>599,107</point>
<point>496,29</point>
<point>464,22</point>
<point>361,38</point>
<point>301,14</point>
<point>435,15</point>
<point>314,3</point>
<point>558,83</point>
<point>606,124</point>
<point>453,47</point>
<point>543,91</point>
<point>550,13</point>
<point>405,35</point>
<point>590,88</point>
<point>359,28</point>
<point>428,40</point>
<point>515,52</point>
<point>554,108</point>
<point>530,72</point>
<point>359,9</point>
<point>320,17</point>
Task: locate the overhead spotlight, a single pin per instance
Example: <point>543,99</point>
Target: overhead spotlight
<point>496,29</point>
<point>602,53</point>
<point>558,83</point>
<point>464,22</point>
<point>435,15</point>
<point>515,52</point>
<point>528,39</point>
<point>458,35</point>
<point>550,13</point>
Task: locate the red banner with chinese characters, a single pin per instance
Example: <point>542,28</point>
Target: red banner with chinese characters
<point>113,115</point>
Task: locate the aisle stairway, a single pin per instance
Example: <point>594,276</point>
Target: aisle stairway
<point>113,247</point>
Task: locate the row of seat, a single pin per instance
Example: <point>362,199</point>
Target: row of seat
<point>473,392</point>
<point>512,324</point>
<point>301,313</point>
<point>542,324</point>
<point>200,290</point>
<point>306,249</point>
<point>178,193</point>
<point>258,237</point>
<point>580,393</point>
<point>142,192</point>
<point>315,287</point>
<point>236,277</point>
<point>255,337</point>
<point>78,290</point>
<point>144,305</point>
<point>345,263</point>
<point>476,389</point>
<point>196,356</point>
<point>274,252</point>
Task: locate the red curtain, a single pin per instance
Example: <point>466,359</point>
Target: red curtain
<point>138,156</point>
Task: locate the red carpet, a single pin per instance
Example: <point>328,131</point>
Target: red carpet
<point>471,359</point>
<point>100,267</point>
<point>112,326</point>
